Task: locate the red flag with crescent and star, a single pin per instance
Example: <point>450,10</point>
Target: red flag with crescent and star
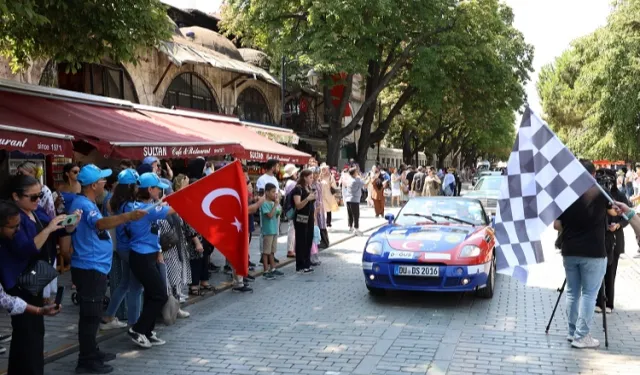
<point>217,207</point>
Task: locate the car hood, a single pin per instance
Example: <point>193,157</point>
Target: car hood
<point>426,238</point>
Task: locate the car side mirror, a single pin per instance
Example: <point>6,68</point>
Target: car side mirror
<point>389,218</point>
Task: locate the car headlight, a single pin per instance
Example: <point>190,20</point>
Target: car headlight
<point>374,248</point>
<point>470,251</point>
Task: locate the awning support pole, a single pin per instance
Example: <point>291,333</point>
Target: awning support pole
<point>155,89</point>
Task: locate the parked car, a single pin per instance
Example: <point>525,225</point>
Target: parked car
<point>478,176</point>
<point>442,244</point>
<point>487,191</point>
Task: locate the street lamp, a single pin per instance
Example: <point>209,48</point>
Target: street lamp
<point>312,76</point>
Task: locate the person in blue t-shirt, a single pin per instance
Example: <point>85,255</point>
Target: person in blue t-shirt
<point>90,264</point>
<point>123,200</point>
<point>144,256</point>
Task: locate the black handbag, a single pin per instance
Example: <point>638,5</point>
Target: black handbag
<point>36,277</point>
<point>168,237</point>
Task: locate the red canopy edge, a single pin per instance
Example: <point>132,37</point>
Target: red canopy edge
<point>115,132</point>
<point>34,141</point>
<point>255,147</point>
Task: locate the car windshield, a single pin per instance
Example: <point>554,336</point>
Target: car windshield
<point>489,183</point>
<point>419,210</point>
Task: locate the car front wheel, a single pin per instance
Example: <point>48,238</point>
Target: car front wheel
<point>487,291</point>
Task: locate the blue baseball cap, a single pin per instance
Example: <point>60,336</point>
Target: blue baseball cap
<point>150,160</point>
<point>148,180</point>
<point>128,177</point>
<point>90,174</point>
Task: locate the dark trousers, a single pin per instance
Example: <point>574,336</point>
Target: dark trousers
<point>91,287</point>
<point>329,219</point>
<point>609,282</point>
<point>200,266</point>
<point>26,355</point>
<point>304,239</point>
<point>353,211</point>
<point>145,269</point>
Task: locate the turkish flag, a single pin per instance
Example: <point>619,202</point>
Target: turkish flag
<point>217,207</point>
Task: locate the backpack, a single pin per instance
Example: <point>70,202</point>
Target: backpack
<point>419,178</point>
<point>289,208</point>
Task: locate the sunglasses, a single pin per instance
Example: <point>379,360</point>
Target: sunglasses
<point>15,227</point>
<point>34,197</point>
<point>75,171</point>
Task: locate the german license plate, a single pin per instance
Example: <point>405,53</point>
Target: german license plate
<point>418,271</point>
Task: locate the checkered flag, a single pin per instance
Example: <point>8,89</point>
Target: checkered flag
<point>543,180</point>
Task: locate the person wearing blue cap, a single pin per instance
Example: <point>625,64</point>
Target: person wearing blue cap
<point>91,263</point>
<point>123,200</point>
<point>144,256</point>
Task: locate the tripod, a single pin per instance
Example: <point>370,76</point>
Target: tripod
<point>602,306</point>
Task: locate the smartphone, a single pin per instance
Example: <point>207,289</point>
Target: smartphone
<point>69,220</point>
<point>59,296</point>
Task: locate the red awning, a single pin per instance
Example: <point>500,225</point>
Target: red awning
<point>19,133</point>
<point>256,147</point>
<point>119,133</point>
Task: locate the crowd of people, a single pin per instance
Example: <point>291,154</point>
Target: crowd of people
<point>121,237</point>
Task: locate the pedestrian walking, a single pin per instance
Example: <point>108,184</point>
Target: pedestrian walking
<point>378,184</point>
<point>303,200</point>
<point>329,189</point>
<point>352,191</point>
<point>291,175</point>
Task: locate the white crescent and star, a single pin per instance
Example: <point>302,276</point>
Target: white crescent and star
<point>215,194</point>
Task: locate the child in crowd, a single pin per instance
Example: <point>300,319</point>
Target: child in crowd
<point>270,212</point>
<point>315,259</point>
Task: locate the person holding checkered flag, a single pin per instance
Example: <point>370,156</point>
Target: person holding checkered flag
<point>545,183</point>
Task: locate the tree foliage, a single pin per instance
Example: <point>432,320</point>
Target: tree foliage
<point>590,92</point>
<point>77,31</point>
<point>414,51</point>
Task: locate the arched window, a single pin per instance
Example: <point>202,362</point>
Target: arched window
<point>252,107</point>
<point>189,91</point>
<point>105,79</point>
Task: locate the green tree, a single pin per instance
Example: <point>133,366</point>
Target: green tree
<point>413,47</point>
<point>590,92</point>
<point>77,31</point>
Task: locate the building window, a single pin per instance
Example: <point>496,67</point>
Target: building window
<point>104,79</point>
<point>252,107</point>
<point>189,91</point>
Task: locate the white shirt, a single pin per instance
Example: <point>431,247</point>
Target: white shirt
<point>267,179</point>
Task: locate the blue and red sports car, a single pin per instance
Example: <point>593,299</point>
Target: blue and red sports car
<point>441,244</point>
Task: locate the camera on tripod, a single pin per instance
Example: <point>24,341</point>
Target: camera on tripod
<point>606,178</point>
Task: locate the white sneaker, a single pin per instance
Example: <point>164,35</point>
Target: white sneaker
<point>351,230</point>
<point>114,324</point>
<point>183,314</point>
<point>598,310</point>
<point>139,339</point>
<point>155,341</point>
<point>585,342</point>
<point>608,310</point>
<point>358,232</point>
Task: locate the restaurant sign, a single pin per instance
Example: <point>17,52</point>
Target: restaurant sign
<point>264,156</point>
<point>138,152</point>
<point>35,144</point>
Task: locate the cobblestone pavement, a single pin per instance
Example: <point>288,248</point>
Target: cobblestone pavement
<point>61,331</point>
<point>327,324</point>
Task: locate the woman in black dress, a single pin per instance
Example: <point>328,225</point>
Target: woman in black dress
<point>303,200</point>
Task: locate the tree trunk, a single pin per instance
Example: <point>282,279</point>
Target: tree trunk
<point>333,150</point>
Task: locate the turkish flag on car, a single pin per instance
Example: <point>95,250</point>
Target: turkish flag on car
<point>216,206</point>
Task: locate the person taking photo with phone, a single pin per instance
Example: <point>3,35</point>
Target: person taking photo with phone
<point>35,235</point>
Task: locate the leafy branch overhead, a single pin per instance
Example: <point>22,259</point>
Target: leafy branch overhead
<point>77,31</point>
<point>420,48</point>
<point>590,92</point>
